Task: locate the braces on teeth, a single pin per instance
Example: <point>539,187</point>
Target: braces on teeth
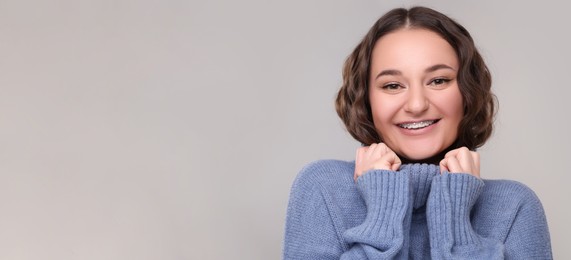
<point>417,125</point>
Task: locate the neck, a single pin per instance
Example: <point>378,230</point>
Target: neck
<point>435,159</point>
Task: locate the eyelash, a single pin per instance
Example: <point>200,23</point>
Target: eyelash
<point>434,82</point>
<point>441,80</point>
<point>391,86</point>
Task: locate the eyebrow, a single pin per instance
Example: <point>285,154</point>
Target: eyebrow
<point>438,67</point>
<point>389,73</point>
<point>392,72</point>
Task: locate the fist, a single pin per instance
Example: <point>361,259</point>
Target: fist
<point>461,160</point>
<point>377,156</point>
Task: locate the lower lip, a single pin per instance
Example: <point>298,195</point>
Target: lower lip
<point>420,131</point>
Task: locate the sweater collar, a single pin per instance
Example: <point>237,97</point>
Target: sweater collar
<point>420,176</point>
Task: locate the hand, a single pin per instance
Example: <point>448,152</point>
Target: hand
<point>461,160</point>
<point>377,156</point>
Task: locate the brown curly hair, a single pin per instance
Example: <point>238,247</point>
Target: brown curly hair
<point>474,79</point>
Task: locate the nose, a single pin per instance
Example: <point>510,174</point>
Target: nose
<point>417,101</point>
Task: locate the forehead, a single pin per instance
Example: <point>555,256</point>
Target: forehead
<point>410,49</point>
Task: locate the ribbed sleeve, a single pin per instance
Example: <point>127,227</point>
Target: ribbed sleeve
<point>384,231</point>
<point>450,201</point>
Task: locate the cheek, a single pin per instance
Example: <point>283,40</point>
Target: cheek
<point>452,105</point>
<point>383,111</point>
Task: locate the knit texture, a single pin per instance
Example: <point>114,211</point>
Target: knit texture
<point>413,213</point>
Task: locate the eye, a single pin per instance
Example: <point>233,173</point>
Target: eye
<point>391,86</point>
<point>439,81</point>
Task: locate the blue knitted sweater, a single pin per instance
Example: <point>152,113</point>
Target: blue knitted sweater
<point>413,213</point>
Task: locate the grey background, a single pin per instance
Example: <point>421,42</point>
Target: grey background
<point>174,129</point>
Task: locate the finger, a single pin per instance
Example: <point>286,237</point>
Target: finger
<point>453,165</point>
<point>359,154</point>
<point>456,151</point>
<point>357,162</point>
<point>476,159</point>
<point>384,148</point>
<point>381,149</point>
<point>370,150</point>
<point>465,160</point>
<point>444,165</point>
<point>451,153</point>
<point>394,159</point>
<point>360,160</point>
<point>389,161</point>
<point>376,152</point>
<point>469,161</point>
<point>396,162</point>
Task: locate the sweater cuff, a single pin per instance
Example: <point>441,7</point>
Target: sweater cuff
<point>449,204</point>
<point>386,195</point>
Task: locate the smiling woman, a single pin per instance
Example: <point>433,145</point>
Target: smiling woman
<point>416,93</point>
<point>416,104</point>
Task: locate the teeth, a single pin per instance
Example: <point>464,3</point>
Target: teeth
<point>417,125</point>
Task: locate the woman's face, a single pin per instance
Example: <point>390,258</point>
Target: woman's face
<point>415,100</point>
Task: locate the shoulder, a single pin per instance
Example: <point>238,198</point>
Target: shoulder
<point>511,211</point>
<point>506,200</point>
<point>324,171</point>
<point>326,180</point>
<point>328,166</point>
<point>509,190</point>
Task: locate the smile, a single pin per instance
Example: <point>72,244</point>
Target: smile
<point>418,125</point>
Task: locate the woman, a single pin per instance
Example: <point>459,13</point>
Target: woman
<point>416,94</point>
